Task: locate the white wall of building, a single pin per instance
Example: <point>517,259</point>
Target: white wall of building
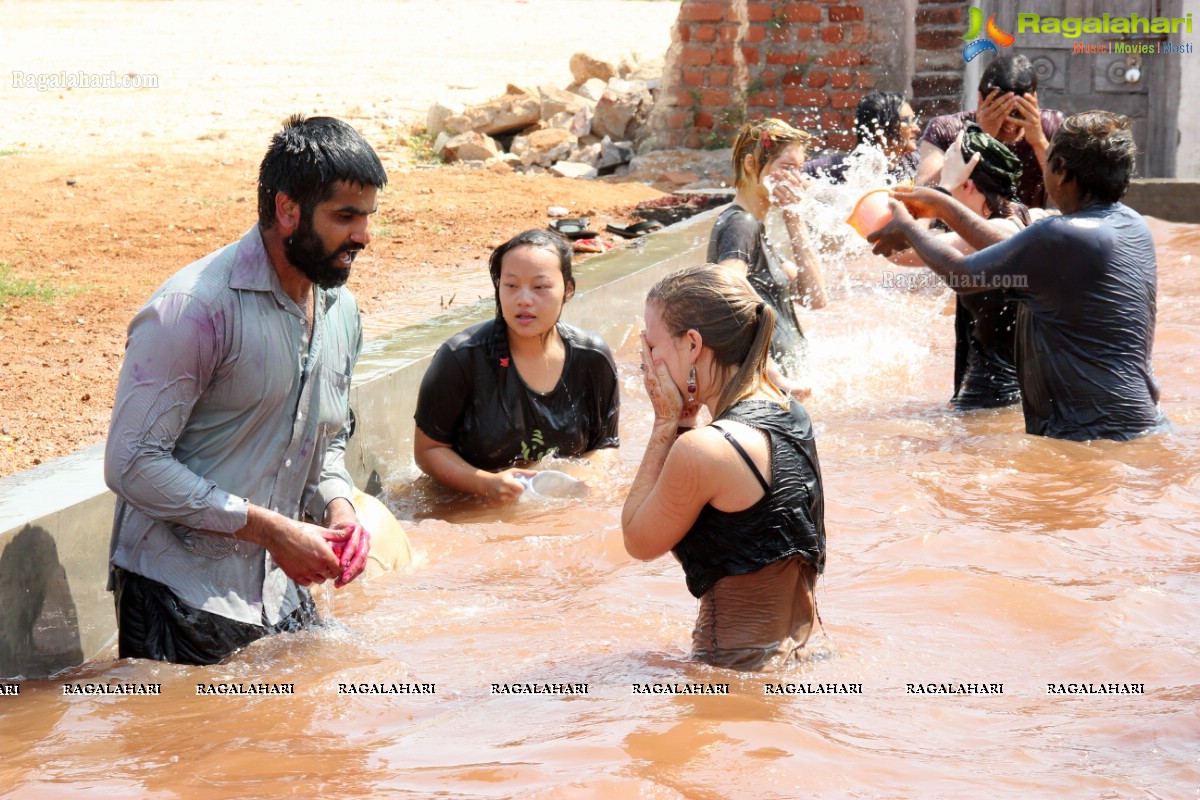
<point>1187,157</point>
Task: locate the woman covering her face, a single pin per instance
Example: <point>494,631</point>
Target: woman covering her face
<point>768,160</point>
<point>739,501</point>
<point>510,391</point>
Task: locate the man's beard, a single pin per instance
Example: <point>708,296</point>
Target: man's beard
<point>307,253</point>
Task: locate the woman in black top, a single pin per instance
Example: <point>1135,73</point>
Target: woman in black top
<point>983,174</point>
<point>739,501</point>
<point>768,159</point>
<point>520,387</point>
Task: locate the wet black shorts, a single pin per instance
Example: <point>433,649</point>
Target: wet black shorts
<point>153,623</point>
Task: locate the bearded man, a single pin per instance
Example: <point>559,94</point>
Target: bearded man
<point>232,411</point>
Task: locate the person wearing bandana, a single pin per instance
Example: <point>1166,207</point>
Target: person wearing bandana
<point>983,174</point>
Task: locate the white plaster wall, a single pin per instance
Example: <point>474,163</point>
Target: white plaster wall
<point>1187,157</point>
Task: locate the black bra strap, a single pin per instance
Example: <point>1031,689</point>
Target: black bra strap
<point>745,457</point>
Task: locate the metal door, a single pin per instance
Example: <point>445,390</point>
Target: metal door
<point>1073,82</point>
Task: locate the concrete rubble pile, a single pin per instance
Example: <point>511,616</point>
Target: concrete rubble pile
<point>583,131</point>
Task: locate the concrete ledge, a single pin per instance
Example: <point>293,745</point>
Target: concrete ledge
<point>1171,199</point>
<point>56,519</point>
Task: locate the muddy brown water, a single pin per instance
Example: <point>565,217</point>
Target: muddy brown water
<point>961,551</point>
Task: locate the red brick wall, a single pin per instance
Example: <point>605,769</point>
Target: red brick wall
<point>804,61</point>
<point>937,83</point>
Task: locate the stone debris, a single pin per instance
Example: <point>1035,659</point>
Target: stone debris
<point>587,154</point>
<point>435,120</point>
<point>559,101</point>
<point>573,169</point>
<point>543,148</point>
<point>470,146</point>
<point>593,89</point>
<point>585,67</point>
<point>587,129</point>
<point>614,154</point>
<point>619,108</point>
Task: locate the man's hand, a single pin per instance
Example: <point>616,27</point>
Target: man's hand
<point>300,549</point>
<point>893,237</point>
<point>922,202</point>
<point>1029,117</point>
<point>994,110</point>
<point>351,542</point>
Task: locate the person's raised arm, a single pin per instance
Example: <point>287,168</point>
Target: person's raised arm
<point>929,167</point>
<point>671,485</point>
<point>934,252</point>
<point>808,277</point>
<point>924,202</point>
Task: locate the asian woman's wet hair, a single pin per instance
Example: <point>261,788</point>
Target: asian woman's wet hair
<point>877,118</point>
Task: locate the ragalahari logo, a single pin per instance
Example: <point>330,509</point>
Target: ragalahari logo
<point>977,44</point>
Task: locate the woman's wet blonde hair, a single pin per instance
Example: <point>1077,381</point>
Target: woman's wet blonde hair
<point>730,317</point>
<point>765,139</point>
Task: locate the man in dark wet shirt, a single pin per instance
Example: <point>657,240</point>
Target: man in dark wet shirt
<point>1085,281</point>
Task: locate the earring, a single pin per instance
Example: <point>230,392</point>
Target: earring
<point>691,387</point>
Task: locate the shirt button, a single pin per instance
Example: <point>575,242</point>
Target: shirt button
<point>287,463</point>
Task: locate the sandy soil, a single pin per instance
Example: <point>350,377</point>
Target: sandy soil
<point>109,191</point>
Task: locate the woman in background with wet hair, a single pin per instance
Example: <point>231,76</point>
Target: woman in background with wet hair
<point>768,156</point>
<point>885,121</point>
<point>523,386</point>
<point>738,501</point>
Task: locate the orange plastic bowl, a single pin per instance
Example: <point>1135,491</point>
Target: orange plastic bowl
<point>871,213</point>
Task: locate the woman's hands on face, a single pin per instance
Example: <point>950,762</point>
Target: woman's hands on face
<point>669,405</point>
<point>787,186</point>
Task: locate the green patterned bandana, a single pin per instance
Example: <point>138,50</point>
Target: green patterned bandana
<point>998,169</point>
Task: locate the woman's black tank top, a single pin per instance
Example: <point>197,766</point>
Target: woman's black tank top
<point>788,520</point>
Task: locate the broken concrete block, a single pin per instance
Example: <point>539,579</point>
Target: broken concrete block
<point>585,67</point>
<point>544,147</point>
<point>506,114</point>
<point>439,144</point>
<point>562,119</point>
<point>586,154</point>
<point>456,124</point>
<point>471,146</point>
<point>558,101</point>
<point>591,89</point>
<point>435,119</point>
<point>573,169</point>
<point>617,108</point>
<point>581,123</point>
<point>613,154</point>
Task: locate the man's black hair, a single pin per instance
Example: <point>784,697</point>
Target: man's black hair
<point>308,158</point>
<point>877,119</point>
<point>1009,74</point>
<point>1095,149</point>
